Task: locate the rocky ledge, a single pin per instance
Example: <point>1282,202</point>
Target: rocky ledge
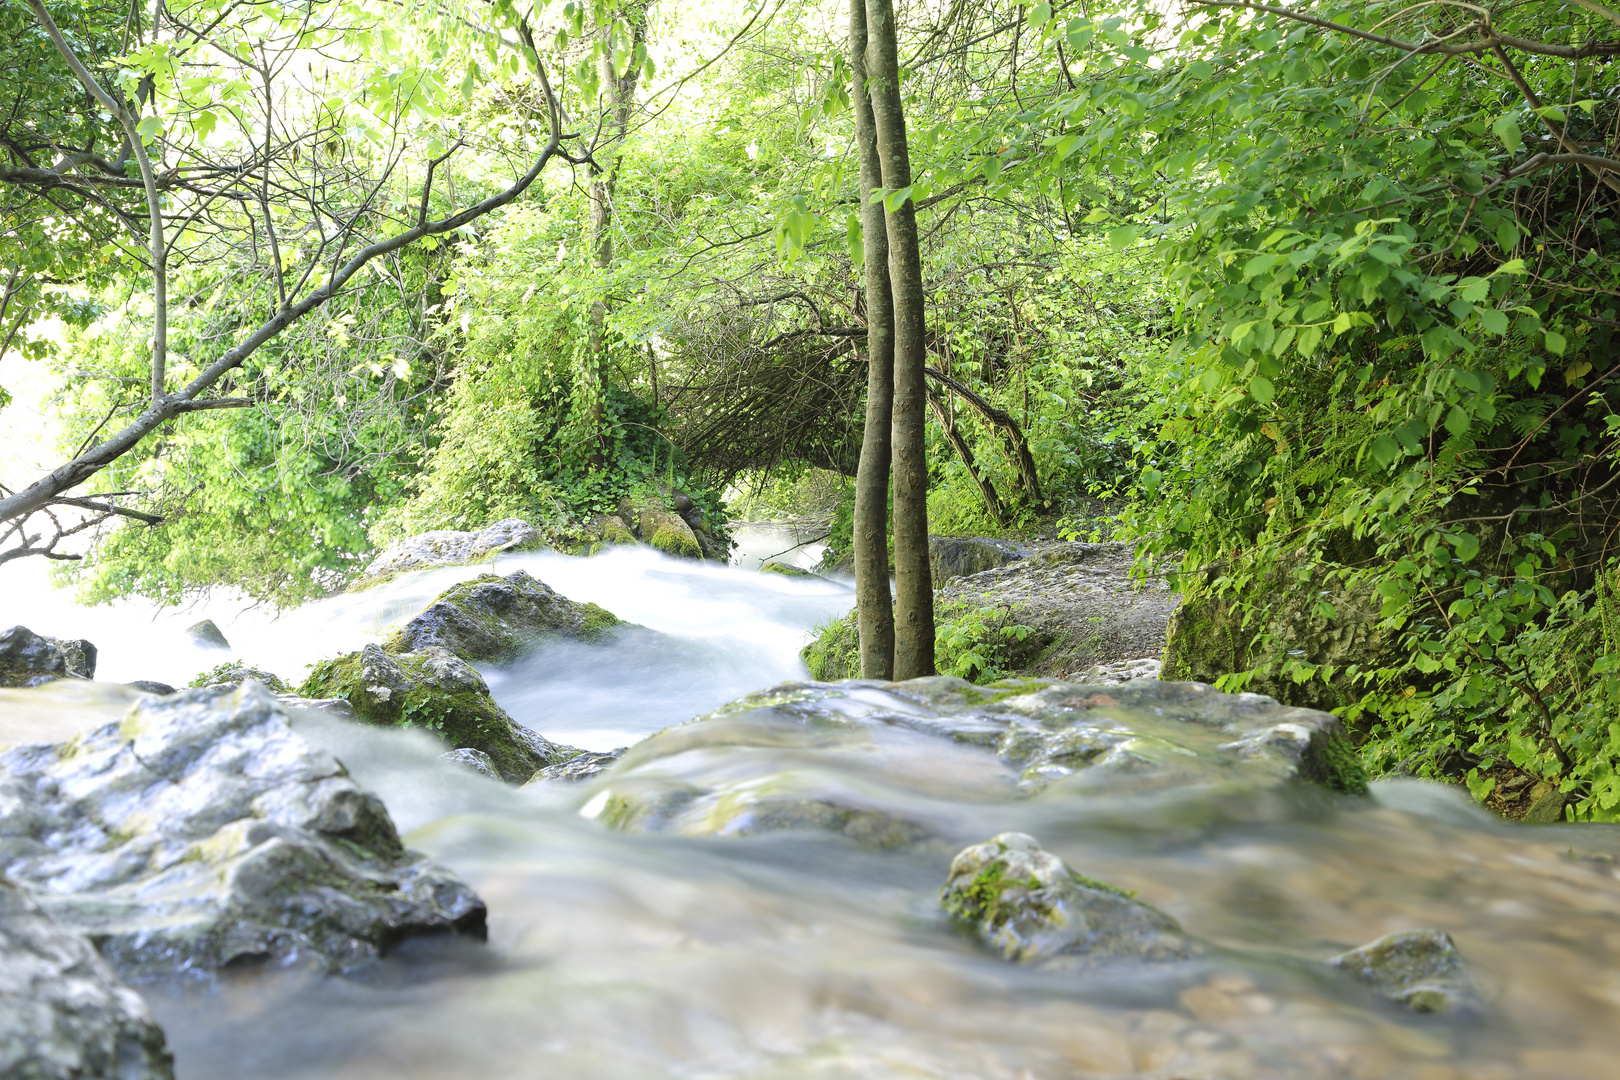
<point>447,547</point>
<point>1136,738</point>
<point>201,832</point>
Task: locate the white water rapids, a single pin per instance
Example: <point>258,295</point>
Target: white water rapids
<point>791,956</point>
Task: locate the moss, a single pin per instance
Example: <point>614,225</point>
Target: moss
<point>1101,886</point>
<point>674,542</point>
<point>980,899</point>
<point>234,671</point>
<point>599,621</point>
<point>1340,767</point>
<point>785,570</point>
<point>836,651</point>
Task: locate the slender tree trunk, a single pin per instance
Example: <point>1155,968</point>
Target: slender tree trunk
<point>987,490</point>
<point>914,587</point>
<point>604,172</point>
<point>874,608</point>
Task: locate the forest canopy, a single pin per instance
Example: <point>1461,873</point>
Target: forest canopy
<point>1310,300</point>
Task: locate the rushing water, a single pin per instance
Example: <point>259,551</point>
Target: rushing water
<point>777,956</point>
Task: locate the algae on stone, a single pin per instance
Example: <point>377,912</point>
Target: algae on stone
<point>494,619</point>
<point>835,653</point>
<point>1420,970</point>
<point>1026,904</point>
<point>435,690</point>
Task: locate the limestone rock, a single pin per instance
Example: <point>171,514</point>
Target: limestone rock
<point>476,760</point>
<point>1546,807</point>
<point>29,659</point>
<point>447,547</point>
<point>1121,671</point>
<point>201,831</point>
<point>234,673</point>
<point>151,686</point>
<point>1026,904</point>
<point>755,765</point>
<point>1419,970</point>
<point>583,765</point>
<point>208,635</point>
<point>63,1013</point>
<point>961,556</point>
<point>494,619</point>
<point>610,530</point>
<point>434,689</point>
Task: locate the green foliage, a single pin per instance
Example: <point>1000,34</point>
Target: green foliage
<point>978,643</point>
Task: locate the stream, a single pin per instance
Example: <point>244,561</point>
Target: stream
<point>615,955</point>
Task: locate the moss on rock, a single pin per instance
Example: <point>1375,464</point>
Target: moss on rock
<point>494,619</point>
<point>434,690</point>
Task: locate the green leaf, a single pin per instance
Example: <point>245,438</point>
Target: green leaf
<point>855,240</point>
<point>1506,128</point>
<point>1554,341</point>
<point>1385,451</point>
<point>894,200</point>
<point>149,128</point>
<point>1493,321</point>
<point>1464,545</point>
<point>1343,322</point>
<point>1262,389</point>
<point>1309,338</point>
<point>1457,420</point>
<point>1507,236</point>
<point>1123,237</point>
<point>1040,15</point>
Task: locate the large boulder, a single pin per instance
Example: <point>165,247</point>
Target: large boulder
<point>64,1015</point>
<point>29,659</point>
<point>1024,903</point>
<point>755,765</point>
<point>962,556</point>
<point>494,619</point>
<point>1310,612</point>
<point>436,690</point>
<point>201,831</point>
<point>207,635</point>
<point>446,547</point>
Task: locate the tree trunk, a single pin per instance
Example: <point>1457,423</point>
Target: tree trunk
<point>987,490</point>
<point>914,588</point>
<point>604,170</point>
<point>1029,481</point>
<point>873,605</point>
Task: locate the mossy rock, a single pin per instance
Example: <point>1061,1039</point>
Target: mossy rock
<point>1208,635</point>
<point>434,690</point>
<point>1024,903</point>
<point>785,570</point>
<point>667,531</point>
<point>235,672</point>
<point>493,619</point>
<point>836,652</point>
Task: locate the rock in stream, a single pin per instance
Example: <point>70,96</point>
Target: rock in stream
<point>755,765</point>
<point>29,659</point>
<point>201,832</point>
<point>64,1015</point>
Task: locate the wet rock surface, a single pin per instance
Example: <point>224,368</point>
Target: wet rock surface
<point>201,832</point>
<point>583,765</point>
<point>64,1014</point>
<point>1023,902</point>
<point>29,659</point>
<point>665,519</point>
<point>208,635</point>
<point>476,760</point>
<point>1419,970</point>
<point>496,619</point>
<point>435,689</point>
<point>764,763</point>
<point>447,547</point>
<point>235,673</point>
